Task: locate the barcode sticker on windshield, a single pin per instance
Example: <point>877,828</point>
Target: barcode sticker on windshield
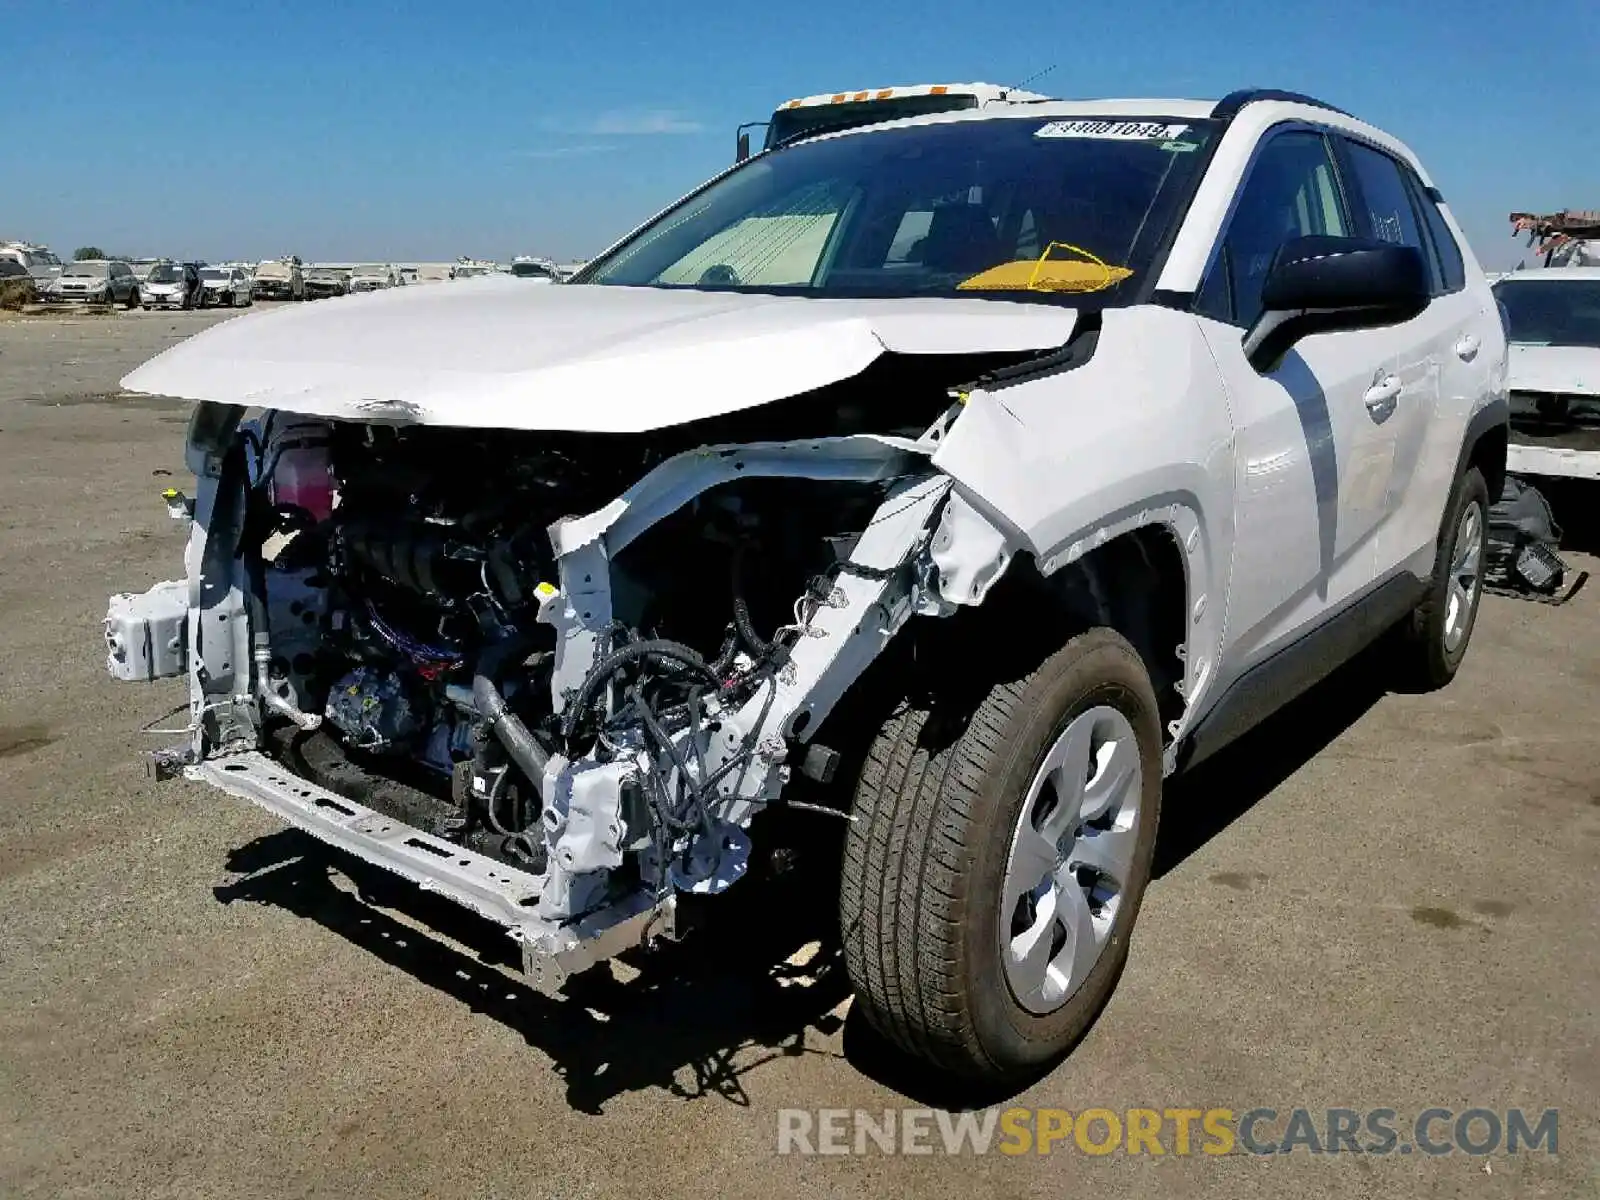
<point>1121,131</point>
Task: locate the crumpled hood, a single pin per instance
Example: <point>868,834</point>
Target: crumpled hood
<point>1573,369</point>
<point>495,353</point>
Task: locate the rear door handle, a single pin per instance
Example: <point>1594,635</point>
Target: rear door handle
<point>1382,397</point>
<point>1467,347</point>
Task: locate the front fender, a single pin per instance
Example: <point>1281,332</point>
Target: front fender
<point>1136,434</point>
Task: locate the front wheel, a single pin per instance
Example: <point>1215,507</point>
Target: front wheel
<point>998,858</point>
<point>1433,639</point>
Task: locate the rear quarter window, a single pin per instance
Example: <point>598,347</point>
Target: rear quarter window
<point>1452,267</point>
<point>1385,200</point>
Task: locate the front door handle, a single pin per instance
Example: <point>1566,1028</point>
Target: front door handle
<point>1382,397</point>
<point>1467,347</point>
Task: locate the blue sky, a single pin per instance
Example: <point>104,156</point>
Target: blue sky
<point>361,130</point>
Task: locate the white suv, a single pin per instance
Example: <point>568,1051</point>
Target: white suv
<point>966,474</point>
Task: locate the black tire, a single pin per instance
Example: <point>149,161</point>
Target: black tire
<point>133,299</point>
<point>1425,660</point>
<point>924,862</point>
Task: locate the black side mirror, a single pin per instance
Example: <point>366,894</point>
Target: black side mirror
<point>742,147</point>
<point>1322,284</point>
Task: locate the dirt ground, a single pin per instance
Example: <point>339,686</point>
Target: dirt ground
<point>1375,901</point>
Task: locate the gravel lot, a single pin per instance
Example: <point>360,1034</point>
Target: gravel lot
<point>1377,900</point>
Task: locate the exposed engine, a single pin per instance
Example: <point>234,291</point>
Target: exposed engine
<point>405,573</point>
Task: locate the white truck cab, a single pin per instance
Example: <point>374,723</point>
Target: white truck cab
<point>830,111</point>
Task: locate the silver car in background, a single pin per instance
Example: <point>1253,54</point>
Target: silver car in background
<point>94,281</point>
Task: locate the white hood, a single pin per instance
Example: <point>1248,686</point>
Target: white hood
<point>1571,369</point>
<point>495,353</point>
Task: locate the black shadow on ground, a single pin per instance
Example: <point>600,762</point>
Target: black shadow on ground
<point>1575,504</point>
<point>692,1019</point>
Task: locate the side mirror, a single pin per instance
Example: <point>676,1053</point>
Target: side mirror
<point>1323,284</point>
<point>742,142</point>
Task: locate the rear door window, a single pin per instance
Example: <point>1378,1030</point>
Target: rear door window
<point>1385,203</point>
<point>1452,268</point>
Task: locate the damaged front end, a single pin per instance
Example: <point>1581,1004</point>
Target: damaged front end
<point>401,639</point>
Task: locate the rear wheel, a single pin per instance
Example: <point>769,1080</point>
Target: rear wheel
<point>1433,639</point>
<point>133,298</point>
<point>998,859</point>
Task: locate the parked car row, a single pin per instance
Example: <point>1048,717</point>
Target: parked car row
<point>156,283</point>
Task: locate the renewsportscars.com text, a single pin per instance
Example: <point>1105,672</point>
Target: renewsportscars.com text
<point>1167,1131</point>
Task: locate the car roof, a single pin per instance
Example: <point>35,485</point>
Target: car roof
<point>1254,111</point>
<point>1193,110</point>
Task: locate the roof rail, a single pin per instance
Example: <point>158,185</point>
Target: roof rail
<point>1229,106</point>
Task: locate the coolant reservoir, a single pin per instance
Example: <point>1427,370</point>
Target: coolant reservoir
<point>302,473</point>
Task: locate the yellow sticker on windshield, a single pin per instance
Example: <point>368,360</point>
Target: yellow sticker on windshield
<point>1046,274</point>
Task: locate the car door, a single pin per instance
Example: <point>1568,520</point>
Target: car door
<point>1312,458</point>
<point>1438,357</point>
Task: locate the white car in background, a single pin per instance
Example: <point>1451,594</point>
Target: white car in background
<point>374,277</point>
<point>1552,318</point>
<point>226,286</point>
<point>170,285</point>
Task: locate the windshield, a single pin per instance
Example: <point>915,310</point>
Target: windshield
<point>531,270</point>
<point>1011,208</point>
<point>89,269</point>
<point>1551,312</point>
<point>213,273</point>
<point>164,273</point>
<point>371,269</point>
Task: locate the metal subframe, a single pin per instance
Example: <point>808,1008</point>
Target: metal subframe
<point>495,891</point>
